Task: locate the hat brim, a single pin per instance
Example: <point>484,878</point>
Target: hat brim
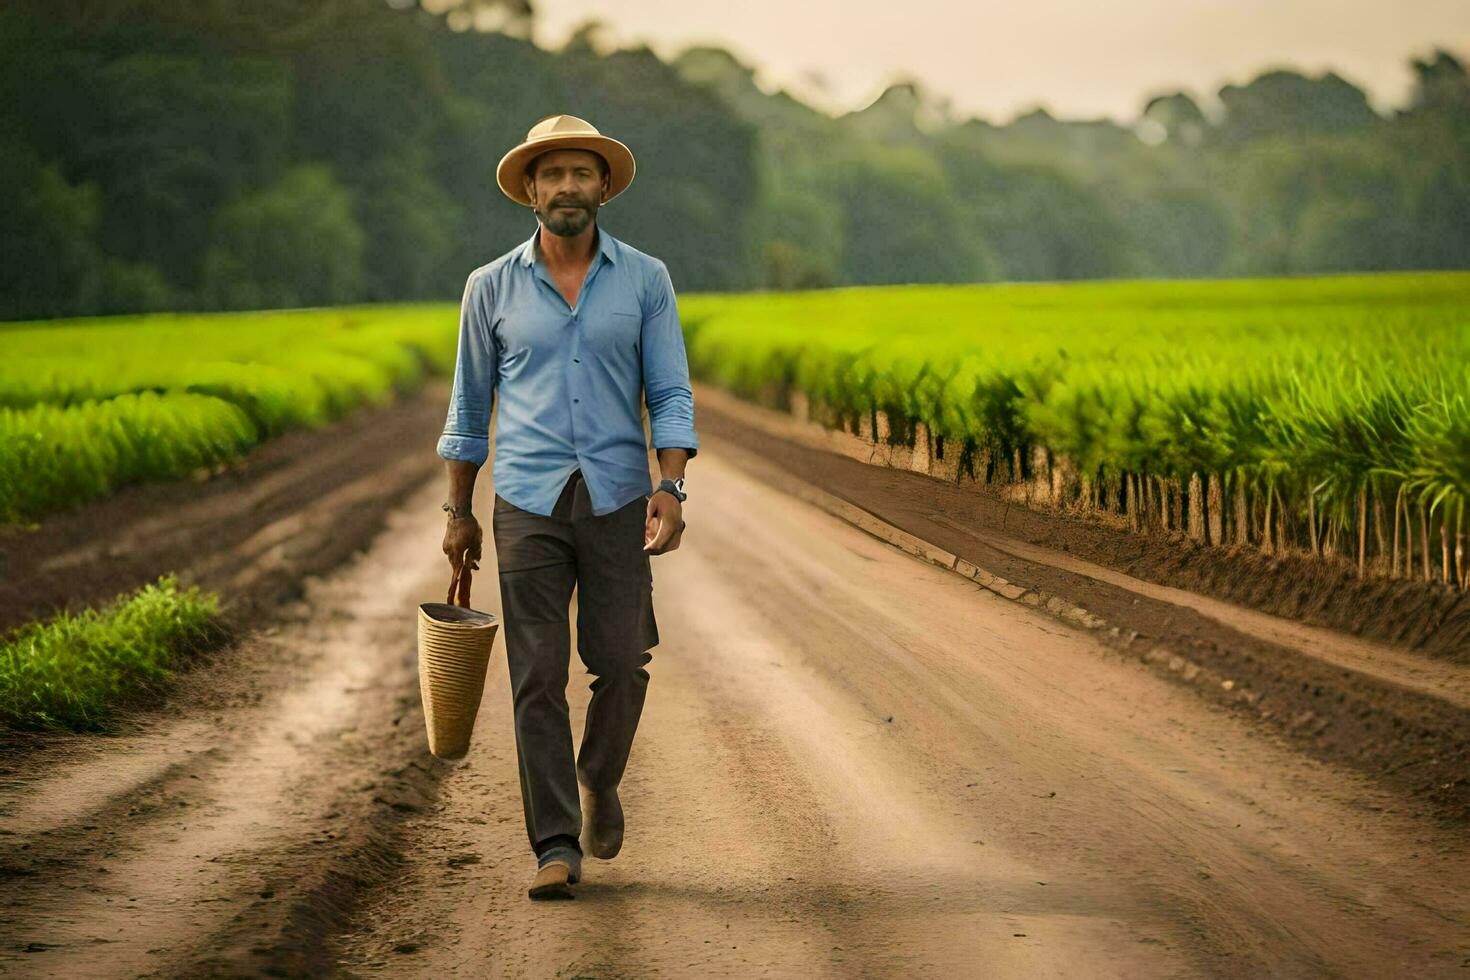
<point>511,171</point>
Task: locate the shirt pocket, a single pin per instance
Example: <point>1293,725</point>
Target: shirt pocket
<point>618,333</point>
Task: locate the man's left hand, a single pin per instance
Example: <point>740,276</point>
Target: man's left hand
<point>664,523</point>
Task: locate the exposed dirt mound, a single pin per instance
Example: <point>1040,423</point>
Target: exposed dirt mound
<point>1428,617</point>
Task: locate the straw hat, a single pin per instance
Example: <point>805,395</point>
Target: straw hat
<point>564,133</point>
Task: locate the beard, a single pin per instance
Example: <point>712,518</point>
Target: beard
<point>567,224</point>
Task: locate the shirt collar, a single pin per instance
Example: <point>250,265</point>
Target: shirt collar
<point>605,242</point>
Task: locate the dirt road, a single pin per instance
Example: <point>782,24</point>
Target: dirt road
<point>851,764</point>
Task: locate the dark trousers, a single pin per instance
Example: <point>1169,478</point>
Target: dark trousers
<point>539,560</point>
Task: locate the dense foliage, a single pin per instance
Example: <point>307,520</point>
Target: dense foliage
<point>167,156</point>
<point>216,155</point>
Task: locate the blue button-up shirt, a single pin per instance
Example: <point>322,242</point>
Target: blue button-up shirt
<point>569,378</point>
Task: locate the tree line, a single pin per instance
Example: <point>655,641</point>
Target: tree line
<point>214,155</point>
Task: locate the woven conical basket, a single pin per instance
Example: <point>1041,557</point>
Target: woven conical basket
<point>454,653</point>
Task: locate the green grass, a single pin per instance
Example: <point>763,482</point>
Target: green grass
<point>75,672</point>
<point>88,406</point>
<point>1313,401</point>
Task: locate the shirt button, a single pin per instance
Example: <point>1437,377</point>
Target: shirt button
<point>576,399</point>
<point>577,360</point>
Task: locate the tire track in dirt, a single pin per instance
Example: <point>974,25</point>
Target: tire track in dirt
<point>231,843</point>
<point>851,764</point>
<point>855,764</point>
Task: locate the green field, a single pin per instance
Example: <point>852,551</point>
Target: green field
<point>1326,414</point>
<point>88,406</point>
<point>1330,414</point>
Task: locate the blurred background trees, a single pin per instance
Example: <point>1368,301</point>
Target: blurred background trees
<point>214,154</point>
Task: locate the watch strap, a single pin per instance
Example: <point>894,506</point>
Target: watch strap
<point>675,487</point>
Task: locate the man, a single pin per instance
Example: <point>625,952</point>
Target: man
<point>566,328</point>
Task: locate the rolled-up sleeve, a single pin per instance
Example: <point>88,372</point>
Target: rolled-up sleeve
<point>476,372</point>
<point>666,369</point>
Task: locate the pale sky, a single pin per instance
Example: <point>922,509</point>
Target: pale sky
<point>1079,58</point>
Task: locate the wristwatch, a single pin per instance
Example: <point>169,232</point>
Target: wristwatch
<point>675,487</point>
<point>458,513</point>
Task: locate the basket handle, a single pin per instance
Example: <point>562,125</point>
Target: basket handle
<point>460,580</point>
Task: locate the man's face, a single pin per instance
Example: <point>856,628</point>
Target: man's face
<point>566,188</point>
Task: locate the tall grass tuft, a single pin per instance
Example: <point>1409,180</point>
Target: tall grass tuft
<point>76,671</point>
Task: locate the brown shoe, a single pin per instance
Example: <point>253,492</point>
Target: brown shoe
<point>602,822</point>
<point>553,880</point>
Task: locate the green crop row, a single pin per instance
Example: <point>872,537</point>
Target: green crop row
<point>1283,412</point>
<point>87,406</point>
<point>1313,411</point>
<point>75,671</point>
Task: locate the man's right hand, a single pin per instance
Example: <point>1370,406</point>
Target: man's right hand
<point>463,535</point>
